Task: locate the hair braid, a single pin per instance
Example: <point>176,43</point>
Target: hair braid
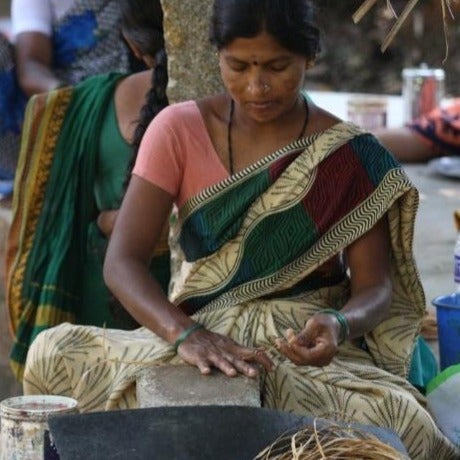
<point>156,101</point>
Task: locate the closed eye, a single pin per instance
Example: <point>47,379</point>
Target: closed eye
<point>238,66</point>
<point>278,67</point>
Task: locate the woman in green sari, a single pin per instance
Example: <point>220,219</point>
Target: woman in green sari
<point>75,154</point>
<point>297,234</point>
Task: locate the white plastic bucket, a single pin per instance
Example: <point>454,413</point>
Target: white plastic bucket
<point>24,423</point>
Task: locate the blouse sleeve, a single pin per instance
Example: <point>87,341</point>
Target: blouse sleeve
<point>158,159</point>
<point>31,16</point>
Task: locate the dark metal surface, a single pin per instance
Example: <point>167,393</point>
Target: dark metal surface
<point>182,433</point>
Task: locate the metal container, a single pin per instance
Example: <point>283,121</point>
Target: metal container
<point>24,425</point>
<point>423,90</point>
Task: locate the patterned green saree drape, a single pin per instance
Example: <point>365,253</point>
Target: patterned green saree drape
<point>267,232</point>
<point>65,177</point>
<point>52,208</point>
<point>256,245</point>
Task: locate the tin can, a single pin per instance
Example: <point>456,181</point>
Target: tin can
<point>423,90</point>
<point>24,426</point>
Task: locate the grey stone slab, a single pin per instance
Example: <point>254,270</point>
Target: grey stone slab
<point>192,61</point>
<point>184,385</point>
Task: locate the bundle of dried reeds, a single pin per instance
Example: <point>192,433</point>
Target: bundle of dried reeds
<point>330,441</point>
<point>367,5</point>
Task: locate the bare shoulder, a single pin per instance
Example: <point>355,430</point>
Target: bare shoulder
<point>130,96</point>
<point>214,108</point>
<point>215,112</point>
<point>320,119</point>
<point>134,87</point>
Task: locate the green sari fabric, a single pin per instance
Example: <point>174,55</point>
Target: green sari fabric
<point>55,250</point>
<point>264,232</point>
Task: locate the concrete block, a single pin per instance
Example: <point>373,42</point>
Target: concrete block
<point>184,385</point>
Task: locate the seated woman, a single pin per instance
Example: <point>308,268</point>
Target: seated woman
<point>297,230</point>
<point>433,135</point>
<point>70,182</point>
<point>56,43</point>
<point>60,43</point>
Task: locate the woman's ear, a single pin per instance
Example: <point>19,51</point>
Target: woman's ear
<point>149,61</point>
<point>133,47</point>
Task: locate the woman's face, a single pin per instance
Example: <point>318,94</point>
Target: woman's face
<point>263,78</point>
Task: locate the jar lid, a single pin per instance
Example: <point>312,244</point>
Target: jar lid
<point>36,407</point>
<point>367,103</point>
<point>423,71</point>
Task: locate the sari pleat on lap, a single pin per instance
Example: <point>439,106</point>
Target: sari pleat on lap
<point>253,244</point>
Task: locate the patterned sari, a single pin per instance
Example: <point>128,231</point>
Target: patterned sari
<point>55,249</point>
<point>87,41</point>
<point>253,245</point>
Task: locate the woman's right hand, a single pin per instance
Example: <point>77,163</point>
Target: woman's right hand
<point>205,349</point>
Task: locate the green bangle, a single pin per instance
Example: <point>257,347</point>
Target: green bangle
<point>343,323</point>
<point>184,334</point>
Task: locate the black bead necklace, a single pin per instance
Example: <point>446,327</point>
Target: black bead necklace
<point>230,123</point>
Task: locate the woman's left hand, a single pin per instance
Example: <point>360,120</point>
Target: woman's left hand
<point>106,221</point>
<point>315,345</point>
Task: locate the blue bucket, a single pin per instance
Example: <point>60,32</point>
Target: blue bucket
<point>448,316</point>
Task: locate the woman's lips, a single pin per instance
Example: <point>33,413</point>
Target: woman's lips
<point>260,106</point>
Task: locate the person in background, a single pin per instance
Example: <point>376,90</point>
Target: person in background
<point>71,185</point>
<point>430,136</point>
<point>61,42</point>
<point>297,231</point>
<point>56,43</point>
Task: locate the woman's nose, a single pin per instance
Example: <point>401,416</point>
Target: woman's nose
<point>258,85</point>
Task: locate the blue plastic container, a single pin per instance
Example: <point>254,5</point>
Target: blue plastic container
<point>448,316</point>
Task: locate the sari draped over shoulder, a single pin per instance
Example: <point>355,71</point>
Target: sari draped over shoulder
<point>255,246</point>
<point>55,250</point>
<point>265,233</point>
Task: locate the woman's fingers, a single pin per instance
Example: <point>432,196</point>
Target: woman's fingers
<point>206,350</point>
<point>302,350</point>
<point>256,355</point>
<point>203,366</point>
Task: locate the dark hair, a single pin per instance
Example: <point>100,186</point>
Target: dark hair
<point>156,101</point>
<point>289,22</point>
<point>142,23</point>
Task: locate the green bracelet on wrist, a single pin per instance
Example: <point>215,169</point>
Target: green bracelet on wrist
<point>343,323</point>
<point>185,334</point>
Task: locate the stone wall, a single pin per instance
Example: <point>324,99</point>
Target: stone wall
<point>192,61</point>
